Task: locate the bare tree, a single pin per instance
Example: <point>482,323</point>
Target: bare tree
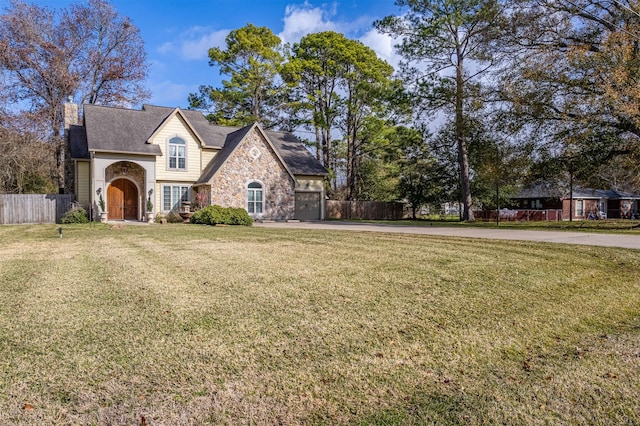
<point>26,164</point>
<point>87,52</point>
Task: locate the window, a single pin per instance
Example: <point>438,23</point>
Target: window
<point>177,154</point>
<point>579,208</point>
<point>173,196</point>
<point>255,198</point>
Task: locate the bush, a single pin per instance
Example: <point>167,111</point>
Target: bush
<point>75,215</point>
<point>239,216</point>
<point>216,215</point>
<point>174,217</point>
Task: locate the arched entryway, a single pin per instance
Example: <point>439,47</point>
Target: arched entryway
<point>122,200</point>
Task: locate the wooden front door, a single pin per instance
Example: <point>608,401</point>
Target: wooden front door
<point>122,200</point>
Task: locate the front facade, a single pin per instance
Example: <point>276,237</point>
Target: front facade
<point>169,156</point>
<point>582,203</point>
<point>600,204</point>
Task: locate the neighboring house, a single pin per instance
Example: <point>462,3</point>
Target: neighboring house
<point>600,204</point>
<point>585,203</point>
<point>542,196</point>
<point>173,154</point>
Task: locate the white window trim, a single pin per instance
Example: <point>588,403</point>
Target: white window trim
<point>172,185</point>
<point>579,210</point>
<point>186,154</point>
<point>264,197</point>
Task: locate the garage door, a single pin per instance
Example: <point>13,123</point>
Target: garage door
<point>307,206</point>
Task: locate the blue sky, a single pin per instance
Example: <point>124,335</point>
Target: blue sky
<point>177,34</point>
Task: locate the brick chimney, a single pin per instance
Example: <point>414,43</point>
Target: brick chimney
<point>71,117</point>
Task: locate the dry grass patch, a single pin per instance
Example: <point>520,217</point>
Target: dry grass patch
<point>194,325</point>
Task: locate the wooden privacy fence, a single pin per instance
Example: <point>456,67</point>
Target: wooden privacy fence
<point>367,210</point>
<point>33,208</point>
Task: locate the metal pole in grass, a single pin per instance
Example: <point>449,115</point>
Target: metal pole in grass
<point>497,205</point>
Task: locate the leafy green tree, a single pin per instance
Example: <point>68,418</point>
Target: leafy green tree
<point>338,84</point>
<point>253,93</point>
<point>421,179</point>
<point>446,47</point>
<point>368,84</point>
<point>314,73</point>
<point>575,72</point>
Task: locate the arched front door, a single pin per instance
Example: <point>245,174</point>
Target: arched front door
<point>122,200</point>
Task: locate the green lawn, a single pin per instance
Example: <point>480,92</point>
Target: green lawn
<point>186,324</point>
<point>617,226</point>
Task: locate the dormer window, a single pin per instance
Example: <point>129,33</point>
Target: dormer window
<point>177,154</point>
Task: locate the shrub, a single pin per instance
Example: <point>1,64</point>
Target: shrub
<point>216,215</point>
<point>75,215</point>
<point>174,217</point>
<point>239,216</point>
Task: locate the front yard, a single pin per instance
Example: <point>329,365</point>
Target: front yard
<point>186,324</point>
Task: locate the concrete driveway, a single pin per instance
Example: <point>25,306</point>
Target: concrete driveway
<point>582,238</point>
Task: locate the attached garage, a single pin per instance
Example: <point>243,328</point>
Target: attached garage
<point>308,206</point>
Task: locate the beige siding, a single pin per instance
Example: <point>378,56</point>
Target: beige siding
<point>207,156</point>
<point>83,180</point>
<point>309,183</point>
<point>177,127</point>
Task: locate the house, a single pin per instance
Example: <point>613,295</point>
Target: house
<point>600,204</point>
<point>582,203</point>
<point>169,155</point>
<point>542,196</point>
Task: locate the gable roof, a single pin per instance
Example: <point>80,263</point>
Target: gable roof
<point>294,153</point>
<point>610,194</point>
<point>78,139</point>
<point>546,190</point>
<point>121,130</point>
<point>174,113</point>
<point>234,140</point>
<point>540,190</point>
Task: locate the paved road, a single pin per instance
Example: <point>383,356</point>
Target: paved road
<point>583,238</point>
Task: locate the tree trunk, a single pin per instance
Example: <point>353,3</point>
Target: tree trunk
<point>463,156</point>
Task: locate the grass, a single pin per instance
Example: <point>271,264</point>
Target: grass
<point>617,226</point>
<point>185,324</point>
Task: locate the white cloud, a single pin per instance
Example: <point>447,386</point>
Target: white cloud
<point>300,20</point>
<point>382,44</point>
<point>167,47</point>
<point>198,47</point>
<point>303,19</point>
<point>194,43</point>
<point>168,93</point>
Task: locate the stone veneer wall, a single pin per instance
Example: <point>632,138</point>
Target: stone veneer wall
<point>229,186</point>
<point>133,172</point>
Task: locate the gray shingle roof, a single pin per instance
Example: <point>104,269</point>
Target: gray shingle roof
<point>109,129</point>
<point>232,141</point>
<point>294,153</point>
<point>122,130</point>
<point>546,190</point>
<point>610,194</point>
<point>541,190</point>
<point>78,138</point>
